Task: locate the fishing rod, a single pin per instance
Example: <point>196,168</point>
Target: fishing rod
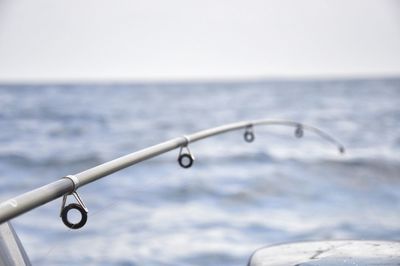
<point>69,184</point>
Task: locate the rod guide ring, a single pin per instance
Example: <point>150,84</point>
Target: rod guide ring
<point>82,211</point>
<point>79,206</point>
<point>185,158</point>
<point>299,131</point>
<point>249,134</point>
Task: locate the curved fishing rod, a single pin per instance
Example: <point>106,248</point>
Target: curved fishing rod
<point>69,184</point>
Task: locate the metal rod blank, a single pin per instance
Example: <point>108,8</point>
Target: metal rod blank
<point>40,196</point>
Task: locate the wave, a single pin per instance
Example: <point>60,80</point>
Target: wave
<point>25,161</point>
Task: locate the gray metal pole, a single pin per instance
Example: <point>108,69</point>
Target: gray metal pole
<point>40,196</point>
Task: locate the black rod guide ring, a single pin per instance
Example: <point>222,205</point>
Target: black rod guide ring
<point>78,207</point>
<point>183,157</point>
<point>299,132</point>
<point>249,134</point>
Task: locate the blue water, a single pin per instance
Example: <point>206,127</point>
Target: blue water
<point>236,198</point>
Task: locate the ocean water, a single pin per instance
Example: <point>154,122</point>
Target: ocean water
<point>236,198</point>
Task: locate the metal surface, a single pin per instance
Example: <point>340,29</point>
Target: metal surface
<point>30,200</point>
<point>332,253</point>
<point>12,253</point>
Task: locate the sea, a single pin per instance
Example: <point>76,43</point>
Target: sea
<point>236,198</point>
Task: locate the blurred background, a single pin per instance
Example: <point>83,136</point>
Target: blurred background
<point>84,82</point>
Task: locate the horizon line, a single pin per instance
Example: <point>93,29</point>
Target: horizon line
<point>165,81</point>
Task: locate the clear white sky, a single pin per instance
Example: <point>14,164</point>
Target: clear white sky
<point>111,40</point>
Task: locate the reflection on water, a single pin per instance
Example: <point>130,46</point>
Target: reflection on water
<point>237,197</point>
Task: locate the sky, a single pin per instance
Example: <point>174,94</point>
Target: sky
<point>138,40</point>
